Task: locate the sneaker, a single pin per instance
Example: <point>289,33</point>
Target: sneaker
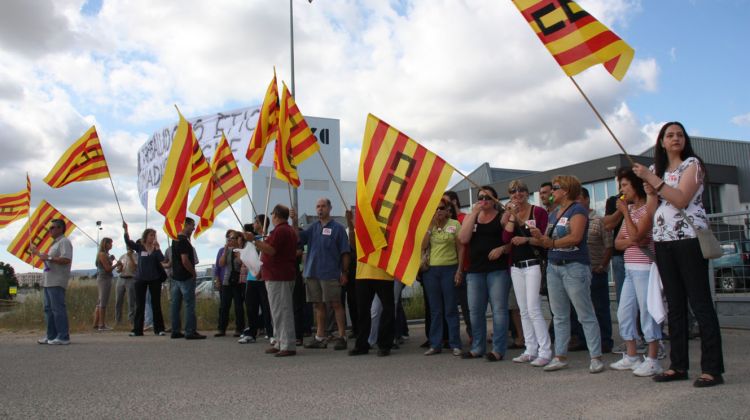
<point>272,341</point>
<point>649,367</point>
<point>457,352</point>
<point>161,334</point>
<point>177,335</point>
<point>596,366</point>
<point>555,364</point>
<point>662,353</point>
<point>43,340</point>
<point>539,362</point>
<point>316,344</point>
<point>105,328</point>
<point>246,340</point>
<point>220,334</point>
<point>340,343</point>
<point>626,363</point>
<point>524,358</point>
<point>195,336</point>
<point>432,351</point>
<point>148,327</point>
<point>58,342</point>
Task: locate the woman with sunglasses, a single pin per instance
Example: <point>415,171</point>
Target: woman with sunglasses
<point>675,191</point>
<point>441,279</point>
<point>487,279</point>
<point>526,273</point>
<point>569,272</point>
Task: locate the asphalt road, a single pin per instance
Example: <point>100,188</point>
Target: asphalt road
<point>110,375</point>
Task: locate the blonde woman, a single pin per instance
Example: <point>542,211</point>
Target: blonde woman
<point>104,267</point>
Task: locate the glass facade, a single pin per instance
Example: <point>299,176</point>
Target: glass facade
<point>599,192</point>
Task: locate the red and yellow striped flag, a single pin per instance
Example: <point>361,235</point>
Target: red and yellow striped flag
<point>83,161</point>
<point>268,125</point>
<point>399,186</point>
<point>15,206</point>
<point>38,233</point>
<point>186,167</point>
<point>217,192</point>
<point>296,141</point>
<point>576,39</point>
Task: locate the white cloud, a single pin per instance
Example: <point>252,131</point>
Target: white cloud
<point>743,120</point>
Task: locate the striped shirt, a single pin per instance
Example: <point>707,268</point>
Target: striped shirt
<point>634,256</point>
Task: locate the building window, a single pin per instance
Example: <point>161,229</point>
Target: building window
<point>712,199</point>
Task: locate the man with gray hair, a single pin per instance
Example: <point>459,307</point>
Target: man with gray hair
<point>57,263</point>
<point>325,272</point>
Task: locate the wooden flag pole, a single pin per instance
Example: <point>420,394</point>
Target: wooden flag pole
<point>224,194</point>
<point>29,215</point>
<point>474,184</point>
<point>346,207</point>
<point>632,163</point>
<point>87,235</point>
<point>116,199</point>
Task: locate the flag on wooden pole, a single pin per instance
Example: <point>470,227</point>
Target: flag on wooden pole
<point>576,39</point>
<point>83,161</point>
<point>267,127</point>
<point>296,141</point>
<point>15,206</point>
<point>399,186</point>
<point>36,232</point>
<point>218,191</point>
<point>186,167</point>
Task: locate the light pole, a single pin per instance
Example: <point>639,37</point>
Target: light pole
<point>291,43</point>
<point>98,229</point>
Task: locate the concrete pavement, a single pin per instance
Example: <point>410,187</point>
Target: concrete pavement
<point>110,375</point>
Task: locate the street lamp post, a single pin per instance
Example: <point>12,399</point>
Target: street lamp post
<point>291,43</point>
<point>98,229</point>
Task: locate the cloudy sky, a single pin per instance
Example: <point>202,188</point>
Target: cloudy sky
<point>467,78</point>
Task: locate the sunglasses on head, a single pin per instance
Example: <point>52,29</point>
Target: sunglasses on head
<point>515,190</point>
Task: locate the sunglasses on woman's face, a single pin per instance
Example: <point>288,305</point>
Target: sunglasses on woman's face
<point>441,208</point>
<point>556,187</point>
<point>482,197</point>
<point>517,190</point>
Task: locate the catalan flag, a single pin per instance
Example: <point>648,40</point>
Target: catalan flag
<point>83,161</point>
<point>186,167</point>
<point>15,206</point>
<point>399,186</point>
<point>267,127</point>
<point>218,191</point>
<point>37,234</point>
<point>576,39</point>
<point>296,141</point>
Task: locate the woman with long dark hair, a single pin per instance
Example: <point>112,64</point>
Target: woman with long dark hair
<point>148,276</point>
<point>675,191</point>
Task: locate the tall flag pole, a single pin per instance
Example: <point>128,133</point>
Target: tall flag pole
<point>83,161</point>
<point>186,167</point>
<point>577,41</point>
<point>399,186</point>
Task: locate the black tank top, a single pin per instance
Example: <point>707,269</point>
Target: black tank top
<point>523,252</point>
<point>486,236</point>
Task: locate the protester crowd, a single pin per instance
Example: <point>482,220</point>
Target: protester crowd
<point>506,256</point>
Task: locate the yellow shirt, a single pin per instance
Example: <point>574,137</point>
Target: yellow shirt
<point>443,244</point>
<point>367,272</point>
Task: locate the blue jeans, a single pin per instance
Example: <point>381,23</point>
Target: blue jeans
<point>56,314</point>
<point>566,284</point>
<point>632,301</point>
<point>441,292</point>
<point>183,290</point>
<point>600,299</point>
<point>618,274</point>
<point>481,288</point>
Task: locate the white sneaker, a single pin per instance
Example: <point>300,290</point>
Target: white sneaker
<point>457,352</point>
<point>43,340</point>
<point>649,367</point>
<point>524,358</point>
<point>596,366</point>
<point>246,339</point>
<point>58,342</point>
<point>555,364</point>
<point>626,363</point>
<point>539,362</point>
<point>272,341</point>
<point>148,327</point>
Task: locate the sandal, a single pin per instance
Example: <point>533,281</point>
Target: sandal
<point>703,382</point>
<point>492,358</point>
<point>675,375</point>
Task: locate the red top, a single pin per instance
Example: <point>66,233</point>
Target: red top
<point>280,266</point>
